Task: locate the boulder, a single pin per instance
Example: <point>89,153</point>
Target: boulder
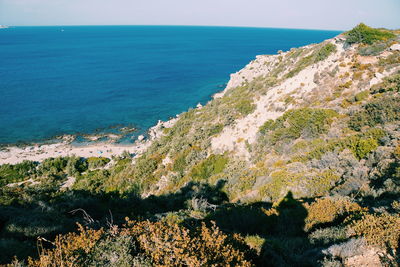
<point>395,47</point>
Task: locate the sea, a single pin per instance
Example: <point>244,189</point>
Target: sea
<point>97,79</point>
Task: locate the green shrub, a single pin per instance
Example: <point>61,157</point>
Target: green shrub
<point>389,84</point>
<point>320,183</point>
<point>325,52</point>
<point>367,35</point>
<point>18,172</point>
<point>360,145</point>
<point>111,251</point>
<point>372,50</point>
<point>76,165</point>
<point>295,123</point>
<point>38,224</point>
<point>53,166</point>
<point>321,53</point>
<point>301,184</point>
<point>245,106</point>
<point>143,170</point>
<point>392,59</point>
<point>364,146</point>
<point>374,133</point>
<point>214,164</point>
<point>125,177</point>
<point>216,129</point>
<point>361,96</point>
<point>329,235</point>
<point>92,181</point>
<point>97,162</point>
<point>381,111</point>
<point>121,164</point>
<point>180,164</point>
<point>300,65</point>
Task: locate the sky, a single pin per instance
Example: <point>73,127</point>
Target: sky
<point>303,14</point>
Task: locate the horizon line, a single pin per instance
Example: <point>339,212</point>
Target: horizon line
<point>172,25</point>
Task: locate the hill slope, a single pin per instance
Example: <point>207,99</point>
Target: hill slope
<point>295,163</point>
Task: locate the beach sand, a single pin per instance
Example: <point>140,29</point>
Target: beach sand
<point>40,152</point>
<point>13,155</point>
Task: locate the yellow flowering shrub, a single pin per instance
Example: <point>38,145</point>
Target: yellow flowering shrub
<point>159,243</point>
<point>381,230</point>
<point>327,210</point>
<point>174,245</point>
<point>68,249</point>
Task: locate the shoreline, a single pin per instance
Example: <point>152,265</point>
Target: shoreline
<point>94,144</point>
<point>113,133</point>
<point>13,154</point>
<point>62,146</point>
<point>67,145</point>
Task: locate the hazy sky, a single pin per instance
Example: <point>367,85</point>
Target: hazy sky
<point>315,14</point>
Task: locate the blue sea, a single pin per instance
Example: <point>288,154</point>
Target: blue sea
<point>79,79</point>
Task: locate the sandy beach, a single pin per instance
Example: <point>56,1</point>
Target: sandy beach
<point>39,152</point>
<point>13,155</point>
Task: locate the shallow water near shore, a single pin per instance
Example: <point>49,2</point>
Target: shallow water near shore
<point>68,80</point>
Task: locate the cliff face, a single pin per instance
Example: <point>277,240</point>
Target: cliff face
<point>312,83</point>
<point>274,112</point>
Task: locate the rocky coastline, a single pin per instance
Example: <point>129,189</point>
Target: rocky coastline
<point>65,146</point>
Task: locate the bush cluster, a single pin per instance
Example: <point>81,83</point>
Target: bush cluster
<point>15,173</point>
<point>367,35</point>
<point>306,122</point>
<point>317,55</point>
<point>373,49</point>
<point>380,111</point>
<point>145,244</point>
<point>389,84</point>
<point>360,145</point>
<point>330,210</point>
<point>361,96</point>
<point>97,162</point>
<point>56,167</point>
<point>245,106</point>
<point>379,229</point>
<point>325,52</point>
<point>213,165</point>
<point>68,249</point>
<point>302,184</point>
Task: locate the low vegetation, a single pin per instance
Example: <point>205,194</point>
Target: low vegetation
<point>316,186</point>
<point>307,122</point>
<point>382,230</point>
<point>144,244</point>
<point>378,112</point>
<point>367,35</point>
<point>16,173</point>
<point>317,55</point>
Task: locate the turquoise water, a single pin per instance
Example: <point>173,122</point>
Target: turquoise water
<point>69,80</point>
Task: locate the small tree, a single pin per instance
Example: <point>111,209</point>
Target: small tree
<point>367,35</point>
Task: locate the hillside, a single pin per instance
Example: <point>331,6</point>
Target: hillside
<point>295,163</point>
